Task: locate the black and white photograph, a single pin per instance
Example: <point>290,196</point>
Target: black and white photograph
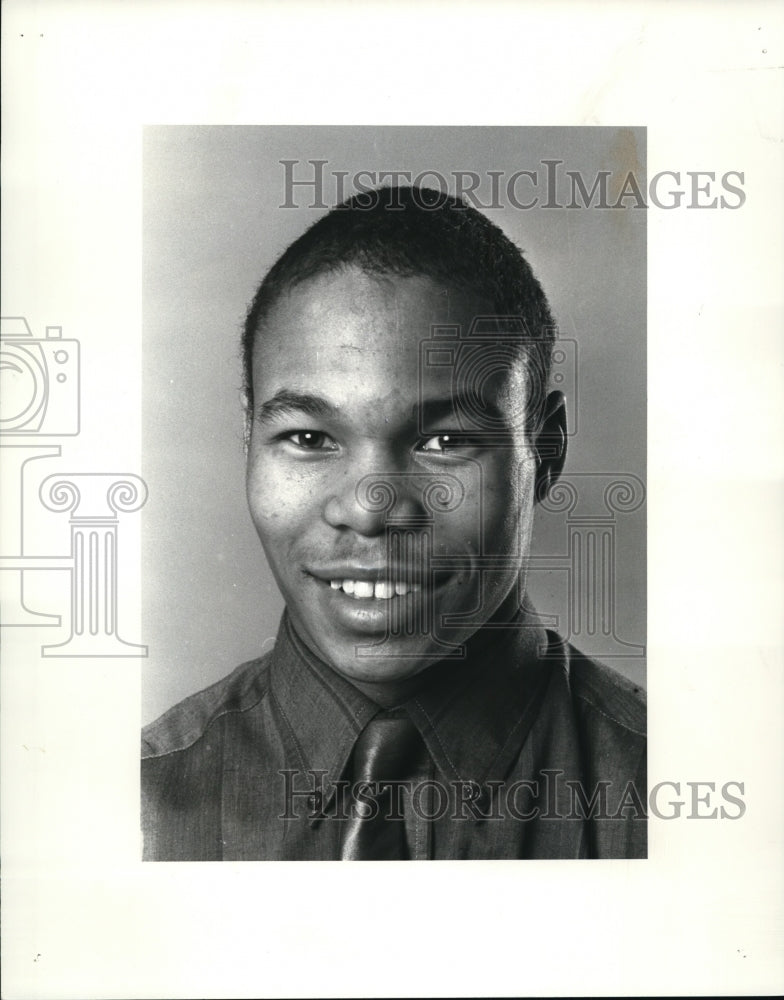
<point>390,436</point>
<point>410,398</point>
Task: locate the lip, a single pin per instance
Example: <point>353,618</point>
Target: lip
<point>364,615</point>
<point>371,574</point>
<point>371,616</point>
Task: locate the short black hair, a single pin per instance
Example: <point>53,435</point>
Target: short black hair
<point>414,231</point>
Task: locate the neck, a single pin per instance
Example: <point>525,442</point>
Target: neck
<point>389,694</point>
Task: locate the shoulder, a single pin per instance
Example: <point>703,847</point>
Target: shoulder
<point>189,721</point>
<point>611,716</point>
<point>610,713</point>
<point>607,695</point>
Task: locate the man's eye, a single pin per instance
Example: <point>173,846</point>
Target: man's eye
<point>445,442</point>
<point>312,440</point>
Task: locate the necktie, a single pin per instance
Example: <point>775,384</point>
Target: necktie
<point>386,751</point>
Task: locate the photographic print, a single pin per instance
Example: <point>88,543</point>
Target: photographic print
<point>434,447</point>
<point>390,432</point>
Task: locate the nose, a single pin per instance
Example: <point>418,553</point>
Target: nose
<point>368,495</point>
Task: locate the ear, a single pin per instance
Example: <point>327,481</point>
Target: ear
<point>550,445</point>
<point>247,417</point>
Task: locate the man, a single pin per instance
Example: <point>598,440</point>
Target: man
<point>399,435</point>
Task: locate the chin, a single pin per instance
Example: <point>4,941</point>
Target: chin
<point>380,659</point>
<point>381,670</point>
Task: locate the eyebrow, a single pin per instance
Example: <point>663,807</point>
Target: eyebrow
<point>286,402</point>
<point>452,406</point>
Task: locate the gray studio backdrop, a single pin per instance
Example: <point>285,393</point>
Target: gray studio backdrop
<point>213,223</point>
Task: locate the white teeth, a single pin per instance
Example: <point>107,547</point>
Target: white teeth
<point>383,590</point>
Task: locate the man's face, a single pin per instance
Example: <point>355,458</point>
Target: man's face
<point>393,532</point>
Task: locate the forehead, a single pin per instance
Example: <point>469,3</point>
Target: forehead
<point>350,334</point>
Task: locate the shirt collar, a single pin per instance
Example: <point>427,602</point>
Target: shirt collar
<point>323,712</point>
<point>473,714</point>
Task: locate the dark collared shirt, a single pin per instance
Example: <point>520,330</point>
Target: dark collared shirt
<point>539,754</point>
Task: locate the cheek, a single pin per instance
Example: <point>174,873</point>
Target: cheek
<point>495,510</point>
<point>281,500</point>
<point>508,501</point>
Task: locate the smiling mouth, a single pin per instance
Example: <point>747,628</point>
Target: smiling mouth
<point>379,590</point>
